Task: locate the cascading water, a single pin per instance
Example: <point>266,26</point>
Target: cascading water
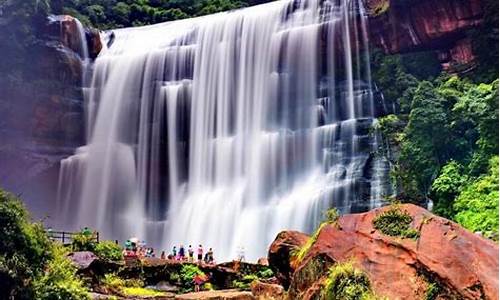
<point>225,129</point>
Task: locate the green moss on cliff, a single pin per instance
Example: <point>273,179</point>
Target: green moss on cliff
<point>346,282</point>
<point>395,222</point>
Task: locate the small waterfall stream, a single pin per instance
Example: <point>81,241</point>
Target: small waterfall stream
<point>225,129</point>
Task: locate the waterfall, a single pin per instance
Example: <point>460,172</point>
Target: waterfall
<point>223,130</point>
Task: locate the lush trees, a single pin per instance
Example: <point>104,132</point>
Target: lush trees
<point>447,187</point>
<point>59,280</point>
<point>445,139</point>
<point>106,14</point>
<point>24,249</point>
<point>31,266</point>
<point>477,205</point>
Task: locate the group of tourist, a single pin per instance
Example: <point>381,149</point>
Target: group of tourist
<point>137,249</point>
<point>134,248</point>
<point>182,254</point>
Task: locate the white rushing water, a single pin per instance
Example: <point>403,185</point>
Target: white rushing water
<point>225,129</point>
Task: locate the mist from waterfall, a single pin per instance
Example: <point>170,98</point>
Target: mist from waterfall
<point>225,129</point>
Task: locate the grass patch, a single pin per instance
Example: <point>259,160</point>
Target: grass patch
<point>128,287</point>
<point>118,285</point>
<point>299,254</point>
<point>346,282</point>
<point>433,290</point>
<point>265,273</point>
<point>244,283</point>
<point>139,291</point>
<point>311,272</point>
<point>331,216</point>
<point>396,222</point>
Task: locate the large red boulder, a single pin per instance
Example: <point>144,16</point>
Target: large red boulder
<point>280,252</point>
<point>462,264</point>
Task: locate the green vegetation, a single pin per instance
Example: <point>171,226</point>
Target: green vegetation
<point>141,292</point>
<point>332,215</point>
<point>432,291</point>
<point>299,255</point>
<point>59,281</point>
<point>115,282</point>
<point>248,276</point>
<point>395,222</point>
<point>244,283</point>
<point>344,281</point>
<point>85,241</point>
<point>443,136</point>
<point>476,206</point>
<point>108,250</point>
<point>265,273</point>
<point>106,14</point>
<point>127,287</point>
<point>31,266</point>
<point>188,272</point>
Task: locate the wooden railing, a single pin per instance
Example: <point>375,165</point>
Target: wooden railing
<point>66,237</point>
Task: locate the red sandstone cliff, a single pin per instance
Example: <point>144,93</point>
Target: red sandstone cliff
<point>404,26</point>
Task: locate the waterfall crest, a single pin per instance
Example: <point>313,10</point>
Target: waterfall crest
<point>225,129</point>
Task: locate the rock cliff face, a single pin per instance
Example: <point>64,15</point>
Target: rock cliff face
<point>404,26</point>
<point>458,263</point>
<point>42,117</point>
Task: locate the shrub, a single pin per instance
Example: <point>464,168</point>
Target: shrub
<point>244,283</point>
<point>477,203</point>
<point>395,222</point>
<point>24,249</point>
<point>59,280</point>
<point>83,242</point>
<point>31,266</point>
<point>265,273</point>
<point>207,286</point>
<point>299,255</point>
<point>115,282</point>
<point>108,250</point>
<point>188,272</point>
<point>112,281</point>
<point>347,283</point>
<point>432,291</point>
<point>332,215</point>
<point>141,292</point>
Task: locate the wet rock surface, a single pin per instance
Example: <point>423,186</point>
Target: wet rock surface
<point>43,116</point>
